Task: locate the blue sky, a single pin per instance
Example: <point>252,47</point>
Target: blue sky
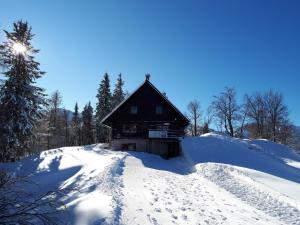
<point>193,49</point>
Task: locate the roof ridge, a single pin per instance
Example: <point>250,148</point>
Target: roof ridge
<point>152,85</point>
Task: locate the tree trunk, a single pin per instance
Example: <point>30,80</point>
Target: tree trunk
<point>195,126</point>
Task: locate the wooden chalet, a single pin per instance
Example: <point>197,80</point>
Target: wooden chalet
<point>147,121</point>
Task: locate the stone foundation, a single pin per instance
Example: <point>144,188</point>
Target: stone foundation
<point>164,147</point>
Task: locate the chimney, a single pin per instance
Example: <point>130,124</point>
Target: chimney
<point>147,76</point>
<point>165,94</point>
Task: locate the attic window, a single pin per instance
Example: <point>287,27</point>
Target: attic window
<point>129,128</point>
<point>158,109</point>
<point>133,109</point>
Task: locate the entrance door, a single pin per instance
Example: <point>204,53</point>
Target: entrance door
<point>129,147</point>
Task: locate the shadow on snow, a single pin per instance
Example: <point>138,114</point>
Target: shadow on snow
<point>260,155</point>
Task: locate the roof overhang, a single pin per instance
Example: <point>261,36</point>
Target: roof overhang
<point>147,81</point>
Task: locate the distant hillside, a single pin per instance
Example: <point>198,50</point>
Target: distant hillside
<point>69,113</point>
<point>61,112</point>
<point>297,129</point>
<point>296,139</point>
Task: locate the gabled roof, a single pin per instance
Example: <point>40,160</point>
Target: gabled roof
<point>147,81</point>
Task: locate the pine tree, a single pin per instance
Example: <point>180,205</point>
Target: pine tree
<point>103,108</point>
<point>55,129</point>
<point>76,126</point>
<point>66,126</point>
<point>118,94</point>
<point>21,101</point>
<point>87,125</point>
<point>205,128</point>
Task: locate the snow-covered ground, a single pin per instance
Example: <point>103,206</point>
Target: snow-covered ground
<point>218,180</point>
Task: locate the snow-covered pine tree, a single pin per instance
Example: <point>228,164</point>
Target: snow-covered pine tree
<point>118,93</point>
<point>103,108</point>
<point>21,101</point>
<point>87,125</point>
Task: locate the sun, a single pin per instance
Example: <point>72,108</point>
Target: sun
<point>19,48</point>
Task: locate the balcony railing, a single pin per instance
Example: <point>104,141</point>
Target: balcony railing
<point>157,133</point>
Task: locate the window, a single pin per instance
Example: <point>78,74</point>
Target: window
<point>129,128</point>
<point>133,109</point>
<point>159,110</point>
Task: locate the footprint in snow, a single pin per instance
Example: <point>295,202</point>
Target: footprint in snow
<point>184,217</point>
<point>98,221</point>
<point>183,209</point>
<point>223,218</point>
<point>157,210</point>
<point>152,219</point>
<point>169,210</point>
<point>175,217</point>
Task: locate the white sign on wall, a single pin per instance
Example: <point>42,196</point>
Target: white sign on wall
<point>158,134</point>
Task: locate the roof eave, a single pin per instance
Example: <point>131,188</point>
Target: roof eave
<point>163,96</point>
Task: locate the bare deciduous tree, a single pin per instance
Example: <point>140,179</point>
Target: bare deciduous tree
<point>226,110</point>
<point>277,112</point>
<point>256,111</point>
<point>269,113</point>
<point>209,115</point>
<point>242,118</point>
<point>194,115</point>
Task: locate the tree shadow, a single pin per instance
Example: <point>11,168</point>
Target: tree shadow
<point>32,182</point>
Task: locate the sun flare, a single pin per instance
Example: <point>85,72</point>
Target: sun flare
<point>19,48</point>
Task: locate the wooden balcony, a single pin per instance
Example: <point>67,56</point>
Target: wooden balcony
<point>163,134</point>
<point>151,134</point>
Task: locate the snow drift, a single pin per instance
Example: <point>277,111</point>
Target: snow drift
<point>218,180</point>
<point>261,173</point>
<point>260,155</point>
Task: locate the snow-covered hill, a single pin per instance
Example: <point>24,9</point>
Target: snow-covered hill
<point>219,180</point>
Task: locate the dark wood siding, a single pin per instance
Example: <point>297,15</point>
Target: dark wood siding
<point>146,99</point>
